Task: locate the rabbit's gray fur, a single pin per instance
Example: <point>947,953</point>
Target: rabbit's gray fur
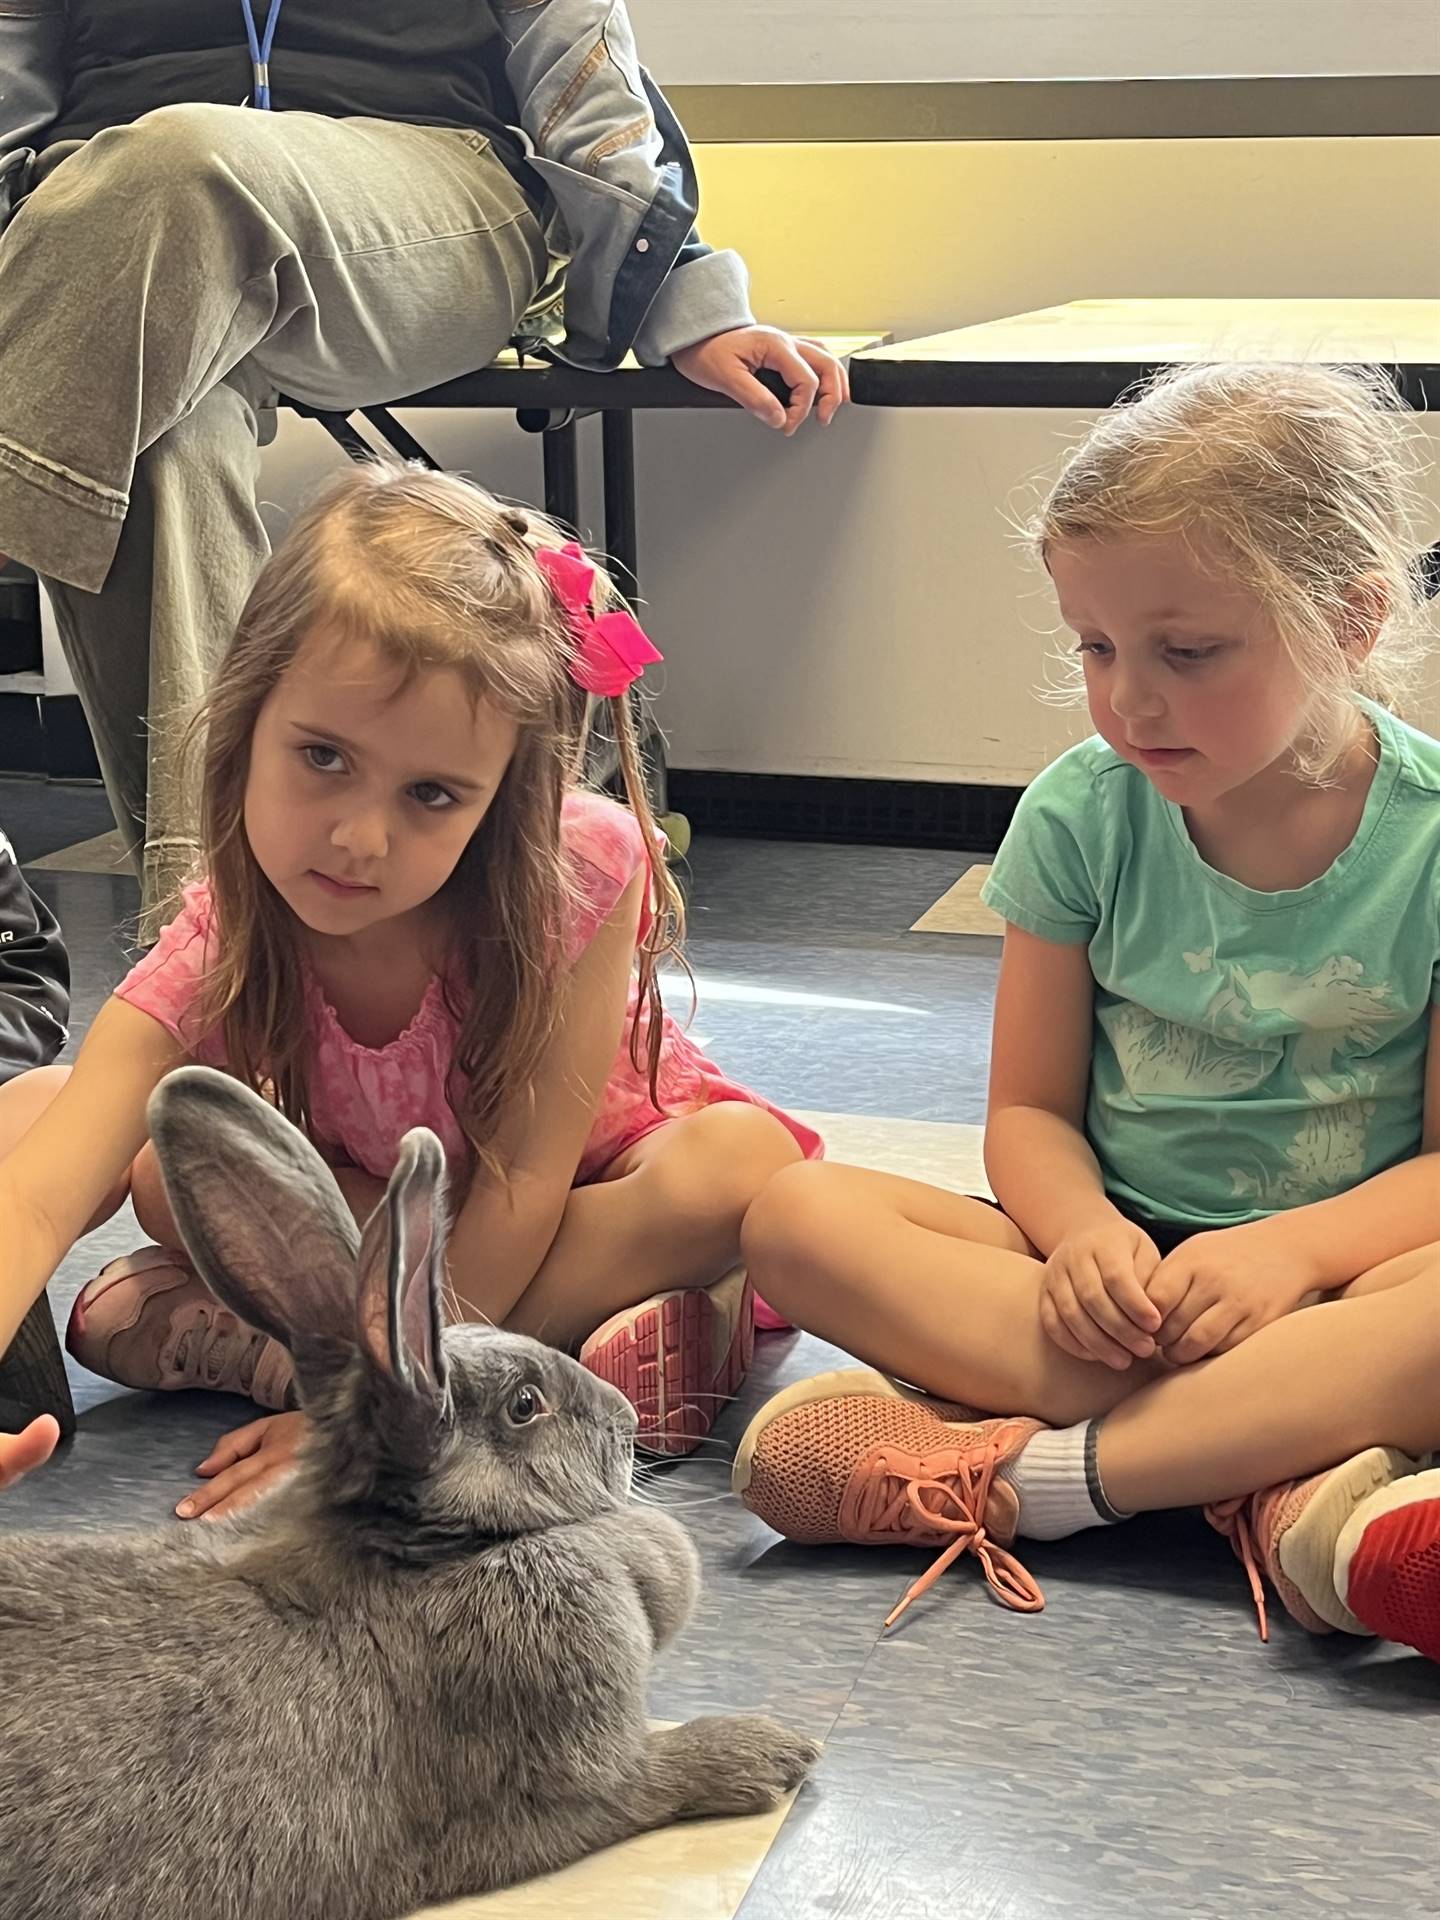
<point>417,1669</point>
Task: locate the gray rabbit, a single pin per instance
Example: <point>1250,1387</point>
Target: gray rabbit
<point>416,1670</point>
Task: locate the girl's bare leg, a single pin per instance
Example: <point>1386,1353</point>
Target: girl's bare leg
<point>665,1214</point>
<point>1394,1273</point>
<point>927,1285</point>
<point>875,1264</point>
<point>1302,1394</point>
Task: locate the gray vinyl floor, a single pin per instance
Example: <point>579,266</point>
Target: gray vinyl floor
<point>1132,1753</point>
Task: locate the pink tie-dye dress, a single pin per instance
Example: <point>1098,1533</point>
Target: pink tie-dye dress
<point>365,1099</point>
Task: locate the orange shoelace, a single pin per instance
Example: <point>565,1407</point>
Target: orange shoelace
<point>894,1503</point>
<point>1232,1518</point>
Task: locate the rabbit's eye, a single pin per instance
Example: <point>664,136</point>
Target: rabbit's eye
<point>526,1405</point>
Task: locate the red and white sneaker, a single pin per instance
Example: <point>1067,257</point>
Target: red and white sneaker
<point>677,1358</point>
<point>1387,1563</point>
<point>1290,1533</point>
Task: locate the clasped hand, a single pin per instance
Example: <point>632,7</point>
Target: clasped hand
<point>1108,1296</point>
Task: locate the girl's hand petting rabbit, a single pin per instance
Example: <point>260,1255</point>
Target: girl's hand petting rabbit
<point>245,1463</point>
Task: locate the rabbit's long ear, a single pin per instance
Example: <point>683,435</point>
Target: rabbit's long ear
<point>402,1271</point>
<point>258,1209</point>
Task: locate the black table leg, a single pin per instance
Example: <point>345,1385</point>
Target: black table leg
<point>404,443</point>
<point>617,446</point>
<point>354,443</point>
<point>617,428</point>
<point>32,1375</point>
<point>560,448</point>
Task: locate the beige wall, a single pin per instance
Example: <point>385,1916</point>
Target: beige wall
<point>852,602</point>
<point>760,42</point>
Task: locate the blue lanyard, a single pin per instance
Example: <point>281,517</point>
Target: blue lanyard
<point>260,51</point>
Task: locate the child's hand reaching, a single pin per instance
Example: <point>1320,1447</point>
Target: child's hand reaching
<point>245,1464</point>
<point>21,1452</point>
<point>1094,1302</point>
<point>1216,1289</point>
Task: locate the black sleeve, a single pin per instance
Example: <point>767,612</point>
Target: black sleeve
<point>34,975</point>
<point>32,69</point>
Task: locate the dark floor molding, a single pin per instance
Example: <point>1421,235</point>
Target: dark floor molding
<point>46,736</point>
<point>896,813</point>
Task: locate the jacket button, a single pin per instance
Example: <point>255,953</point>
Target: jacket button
<point>642,246</point>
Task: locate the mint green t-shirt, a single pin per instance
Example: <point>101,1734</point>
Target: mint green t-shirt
<point>1253,1051</point>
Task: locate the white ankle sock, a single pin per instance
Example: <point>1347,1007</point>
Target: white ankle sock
<point>1058,1483</point>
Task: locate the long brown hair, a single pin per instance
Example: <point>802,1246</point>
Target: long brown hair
<point>432,572</point>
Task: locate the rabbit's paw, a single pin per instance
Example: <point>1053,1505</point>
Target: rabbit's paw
<point>741,1763</point>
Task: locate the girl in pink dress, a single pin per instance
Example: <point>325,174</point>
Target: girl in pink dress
<point>412,915</point>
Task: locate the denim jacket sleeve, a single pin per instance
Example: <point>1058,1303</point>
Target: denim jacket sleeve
<point>34,975</point>
<point>613,158</point>
<point>32,75</point>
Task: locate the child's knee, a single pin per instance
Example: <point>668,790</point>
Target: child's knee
<point>731,1153</point>
<point>749,1145</point>
<point>786,1227</point>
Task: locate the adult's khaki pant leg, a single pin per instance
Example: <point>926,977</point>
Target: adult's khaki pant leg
<point>159,282</point>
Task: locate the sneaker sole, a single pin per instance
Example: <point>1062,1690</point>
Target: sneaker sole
<point>1307,1549</point>
<point>663,1361</point>
<point>1387,1563</point>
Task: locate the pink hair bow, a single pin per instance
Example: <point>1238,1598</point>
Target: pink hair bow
<point>612,650</point>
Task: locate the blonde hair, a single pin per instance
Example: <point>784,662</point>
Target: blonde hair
<point>1300,480</point>
<point>432,572</point>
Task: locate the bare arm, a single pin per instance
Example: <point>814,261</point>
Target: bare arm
<point>1040,1164</point>
<point>53,1181</point>
<point>505,1230</point>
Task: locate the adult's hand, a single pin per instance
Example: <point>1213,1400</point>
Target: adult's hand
<point>729,362</point>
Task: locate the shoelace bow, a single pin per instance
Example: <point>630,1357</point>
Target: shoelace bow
<point>893,1502</point>
<point>1232,1518</point>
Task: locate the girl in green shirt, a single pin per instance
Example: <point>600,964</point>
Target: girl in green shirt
<point>1214,1090</point>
